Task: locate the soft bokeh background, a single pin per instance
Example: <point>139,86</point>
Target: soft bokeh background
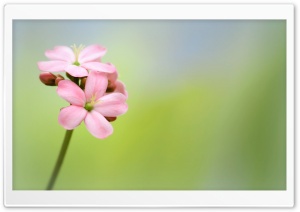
<point>206,107</point>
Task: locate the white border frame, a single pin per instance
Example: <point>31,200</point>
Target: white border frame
<point>15,198</point>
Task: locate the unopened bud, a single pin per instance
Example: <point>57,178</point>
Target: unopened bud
<point>58,79</point>
<point>82,82</point>
<point>111,119</point>
<point>110,87</point>
<point>48,78</point>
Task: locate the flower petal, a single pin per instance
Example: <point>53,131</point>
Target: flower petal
<point>71,116</point>
<point>71,92</point>
<point>91,53</point>
<point>63,53</point>
<point>111,105</point>
<point>97,66</point>
<point>95,86</point>
<point>120,88</point>
<point>76,71</point>
<point>97,125</point>
<point>53,66</point>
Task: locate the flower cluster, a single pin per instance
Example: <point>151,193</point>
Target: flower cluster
<point>95,94</point>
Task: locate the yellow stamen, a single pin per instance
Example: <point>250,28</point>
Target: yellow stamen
<point>93,99</point>
<point>90,105</point>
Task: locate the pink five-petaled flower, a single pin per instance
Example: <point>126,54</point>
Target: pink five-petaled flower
<point>90,105</point>
<point>76,62</point>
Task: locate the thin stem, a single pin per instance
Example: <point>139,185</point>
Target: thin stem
<point>60,159</point>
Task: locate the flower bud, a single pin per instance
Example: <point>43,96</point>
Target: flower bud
<point>48,78</point>
<point>82,82</point>
<point>58,79</point>
<point>111,119</point>
<point>110,87</point>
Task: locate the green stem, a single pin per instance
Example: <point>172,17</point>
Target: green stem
<point>60,159</point>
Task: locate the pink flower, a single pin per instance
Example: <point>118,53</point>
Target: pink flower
<point>115,85</point>
<point>90,105</point>
<point>77,61</point>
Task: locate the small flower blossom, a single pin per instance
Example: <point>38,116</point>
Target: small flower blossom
<point>91,105</point>
<point>76,62</point>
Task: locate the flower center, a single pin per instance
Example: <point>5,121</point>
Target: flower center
<point>76,51</point>
<point>76,63</point>
<point>89,106</point>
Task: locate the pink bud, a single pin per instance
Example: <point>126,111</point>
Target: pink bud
<point>48,78</point>
<point>110,87</point>
<point>58,79</point>
<point>111,119</point>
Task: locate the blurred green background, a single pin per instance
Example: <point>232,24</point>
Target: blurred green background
<point>206,106</point>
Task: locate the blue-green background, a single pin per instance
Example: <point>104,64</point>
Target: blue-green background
<point>207,106</point>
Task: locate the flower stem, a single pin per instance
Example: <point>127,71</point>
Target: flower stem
<point>60,158</point>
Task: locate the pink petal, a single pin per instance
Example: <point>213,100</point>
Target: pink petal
<point>97,66</point>
<point>97,125</point>
<point>63,53</point>
<point>76,71</point>
<point>53,66</point>
<point>111,105</point>
<point>120,88</point>
<point>71,116</point>
<point>95,85</point>
<point>71,92</point>
<point>91,53</point>
<point>97,60</point>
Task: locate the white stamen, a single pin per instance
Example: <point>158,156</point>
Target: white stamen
<point>77,50</point>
